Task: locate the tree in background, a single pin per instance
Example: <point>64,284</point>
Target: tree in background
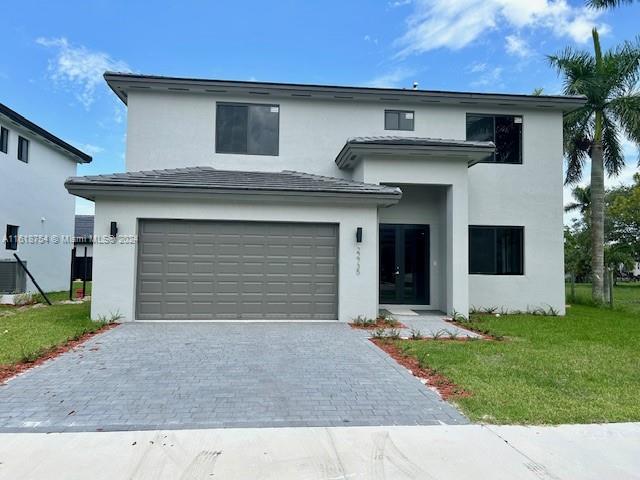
<point>609,82</point>
<point>582,201</point>
<point>624,219</point>
<point>607,3</point>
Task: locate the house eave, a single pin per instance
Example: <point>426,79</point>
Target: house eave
<point>122,83</point>
<point>94,191</point>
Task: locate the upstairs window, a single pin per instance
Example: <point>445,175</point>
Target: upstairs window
<point>23,149</point>
<point>503,130</point>
<point>11,238</point>
<point>4,140</point>
<point>496,250</point>
<point>247,128</point>
<point>398,120</point>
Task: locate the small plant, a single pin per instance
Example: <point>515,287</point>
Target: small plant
<point>438,334</point>
<point>113,317</point>
<point>458,317</point>
<point>379,333</point>
<point>416,334</point>
<point>489,310</point>
<point>387,319</point>
<point>25,299</point>
<point>453,335</point>
<point>393,334</point>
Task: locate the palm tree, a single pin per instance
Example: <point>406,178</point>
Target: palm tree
<point>582,196</point>
<point>609,82</point>
<point>607,3</point>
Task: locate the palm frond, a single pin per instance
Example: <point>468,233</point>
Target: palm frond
<point>578,132</point>
<point>607,3</point>
<point>626,112</point>
<point>621,69</point>
<point>578,69</point>
<point>611,149</point>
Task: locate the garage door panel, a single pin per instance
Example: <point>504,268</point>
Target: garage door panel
<point>204,270</point>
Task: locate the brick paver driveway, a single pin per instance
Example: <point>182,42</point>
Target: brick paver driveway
<point>206,375</point>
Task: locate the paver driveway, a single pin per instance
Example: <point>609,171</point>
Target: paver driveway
<point>206,375</point>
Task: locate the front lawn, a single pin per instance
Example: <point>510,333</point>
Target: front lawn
<point>582,368</point>
<point>626,295</point>
<point>26,334</point>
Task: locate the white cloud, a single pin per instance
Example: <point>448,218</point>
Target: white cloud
<point>454,24</point>
<point>477,67</point>
<point>79,68</point>
<point>516,45</point>
<point>399,3</point>
<point>394,78</point>
<point>88,148</point>
<point>490,77</point>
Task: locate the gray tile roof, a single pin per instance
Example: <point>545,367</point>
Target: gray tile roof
<point>84,227</point>
<point>350,154</point>
<point>418,141</point>
<point>210,179</point>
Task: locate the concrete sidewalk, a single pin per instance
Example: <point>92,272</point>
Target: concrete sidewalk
<point>335,453</point>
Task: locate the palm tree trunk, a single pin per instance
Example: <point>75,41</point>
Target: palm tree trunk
<point>597,221</point>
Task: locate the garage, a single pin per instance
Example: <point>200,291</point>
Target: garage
<point>236,270</point>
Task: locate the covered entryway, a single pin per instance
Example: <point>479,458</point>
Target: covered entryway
<point>217,270</point>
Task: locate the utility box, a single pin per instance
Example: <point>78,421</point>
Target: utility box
<point>13,278</point>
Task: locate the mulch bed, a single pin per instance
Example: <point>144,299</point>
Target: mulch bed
<point>378,324</point>
<point>469,326</point>
<point>9,371</point>
<point>445,387</point>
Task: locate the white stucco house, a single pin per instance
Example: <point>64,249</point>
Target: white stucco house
<point>37,214</point>
<point>251,200</point>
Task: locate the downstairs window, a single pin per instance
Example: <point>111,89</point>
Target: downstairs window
<point>496,250</point>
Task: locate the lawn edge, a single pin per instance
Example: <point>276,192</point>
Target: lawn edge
<point>8,372</point>
<point>445,387</point>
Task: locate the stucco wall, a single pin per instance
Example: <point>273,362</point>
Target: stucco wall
<point>168,130</point>
<point>114,265</point>
<point>34,198</point>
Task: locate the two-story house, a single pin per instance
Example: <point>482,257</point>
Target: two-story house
<point>37,212</point>
<point>251,200</point>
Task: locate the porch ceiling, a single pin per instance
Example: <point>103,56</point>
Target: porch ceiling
<point>358,147</point>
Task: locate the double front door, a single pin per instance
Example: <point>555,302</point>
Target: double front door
<point>404,264</point>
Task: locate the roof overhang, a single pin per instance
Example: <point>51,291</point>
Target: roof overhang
<point>123,83</point>
<point>354,151</point>
<point>65,148</point>
<point>94,191</point>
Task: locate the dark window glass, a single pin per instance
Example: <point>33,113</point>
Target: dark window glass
<point>398,120</point>
<point>23,149</point>
<point>496,250</point>
<point>504,130</point>
<point>4,140</point>
<point>251,129</point>
<point>11,239</point>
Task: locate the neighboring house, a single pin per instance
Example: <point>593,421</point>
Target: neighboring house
<point>37,212</point>
<point>249,200</point>
<point>82,256</point>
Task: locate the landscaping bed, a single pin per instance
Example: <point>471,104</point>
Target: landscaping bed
<point>581,368</point>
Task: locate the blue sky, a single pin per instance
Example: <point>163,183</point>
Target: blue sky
<point>56,52</point>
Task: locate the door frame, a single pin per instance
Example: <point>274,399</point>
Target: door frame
<point>400,252</point>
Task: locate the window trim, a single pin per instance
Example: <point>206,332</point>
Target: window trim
<point>8,243</point>
<point>399,112</point>
<point>493,116</point>
<point>247,104</point>
<point>22,141</point>
<point>4,140</point>
<point>522,250</point>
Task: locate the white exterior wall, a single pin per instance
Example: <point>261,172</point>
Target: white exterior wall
<point>171,130</point>
<point>36,201</point>
<point>114,265</point>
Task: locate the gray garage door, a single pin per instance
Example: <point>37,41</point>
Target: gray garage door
<point>203,270</point>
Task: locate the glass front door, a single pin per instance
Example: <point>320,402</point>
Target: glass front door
<point>404,264</point>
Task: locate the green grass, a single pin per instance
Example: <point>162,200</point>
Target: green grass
<point>626,295</point>
<point>29,333</point>
<point>582,368</point>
